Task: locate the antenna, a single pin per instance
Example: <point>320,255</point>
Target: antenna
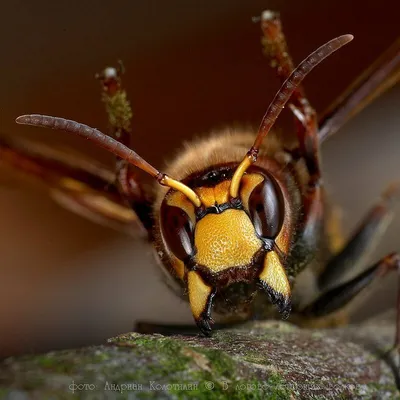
<point>281,98</point>
<point>110,144</point>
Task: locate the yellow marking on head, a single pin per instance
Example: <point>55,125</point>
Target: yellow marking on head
<point>178,199</point>
<point>283,238</point>
<point>210,196</point>
<point>178,266</point>
<point>199,293</point>
<point>247,185</point>
<point>225,240</point>
<point>221,192</point>
<point>206,195</point>
<point>274,275</point>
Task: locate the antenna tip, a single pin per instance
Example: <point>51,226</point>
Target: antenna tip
<point>21,119</point>
<point>347,38</point>
<point>30,119</point>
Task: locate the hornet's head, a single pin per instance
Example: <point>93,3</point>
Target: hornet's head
<point>227,239</point>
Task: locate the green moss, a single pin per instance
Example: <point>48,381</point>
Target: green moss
<point>56,364</point>
<point>4,392</point>
<point>279,389</point>
<point>127,339</point>
<point>100,357</point>
<point>33,383</point>
<point>45,361</point>
<point>209,373</point>
<point>375,387</point>
<point>231,365</point>
<point>118,109</point>
<point>221,364</point>
<point>256,358</point>
<point>164,359</point>
<point>172,357</point>
<point>223,380</point>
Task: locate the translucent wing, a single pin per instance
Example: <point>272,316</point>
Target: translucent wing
<point>84,187</point>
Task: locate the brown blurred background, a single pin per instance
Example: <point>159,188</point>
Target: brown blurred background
<point>191,66</point>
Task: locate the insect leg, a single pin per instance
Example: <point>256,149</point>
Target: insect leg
<point>313,203</point>
<point>373,82</point>
<point>276,50</point>
<point>117,105</point>
<point>119,114</point>
<point>338,297</point>
<point>383,74</point>
<point>362,241</point>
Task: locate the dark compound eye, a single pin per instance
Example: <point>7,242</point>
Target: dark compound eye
<point>266,205</point>
<point>177,229</point>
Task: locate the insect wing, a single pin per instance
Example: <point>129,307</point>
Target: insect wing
<point>78,184</point>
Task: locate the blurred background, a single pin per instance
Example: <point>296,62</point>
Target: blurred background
<point>191,67</point>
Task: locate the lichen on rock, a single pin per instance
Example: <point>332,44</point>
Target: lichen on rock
<point>258,360</point>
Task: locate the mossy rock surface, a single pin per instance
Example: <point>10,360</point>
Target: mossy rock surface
<point>263,360</point>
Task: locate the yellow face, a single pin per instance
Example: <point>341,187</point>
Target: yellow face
<point>227,236</point>
<point>225,240</point>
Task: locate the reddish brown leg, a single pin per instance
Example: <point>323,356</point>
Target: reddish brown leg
<point>275,48</point>
<point>373,82</point>
<point>119,114</point>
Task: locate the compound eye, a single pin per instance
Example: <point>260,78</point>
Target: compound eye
<point>266,206</point>
<point>177,229</point>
